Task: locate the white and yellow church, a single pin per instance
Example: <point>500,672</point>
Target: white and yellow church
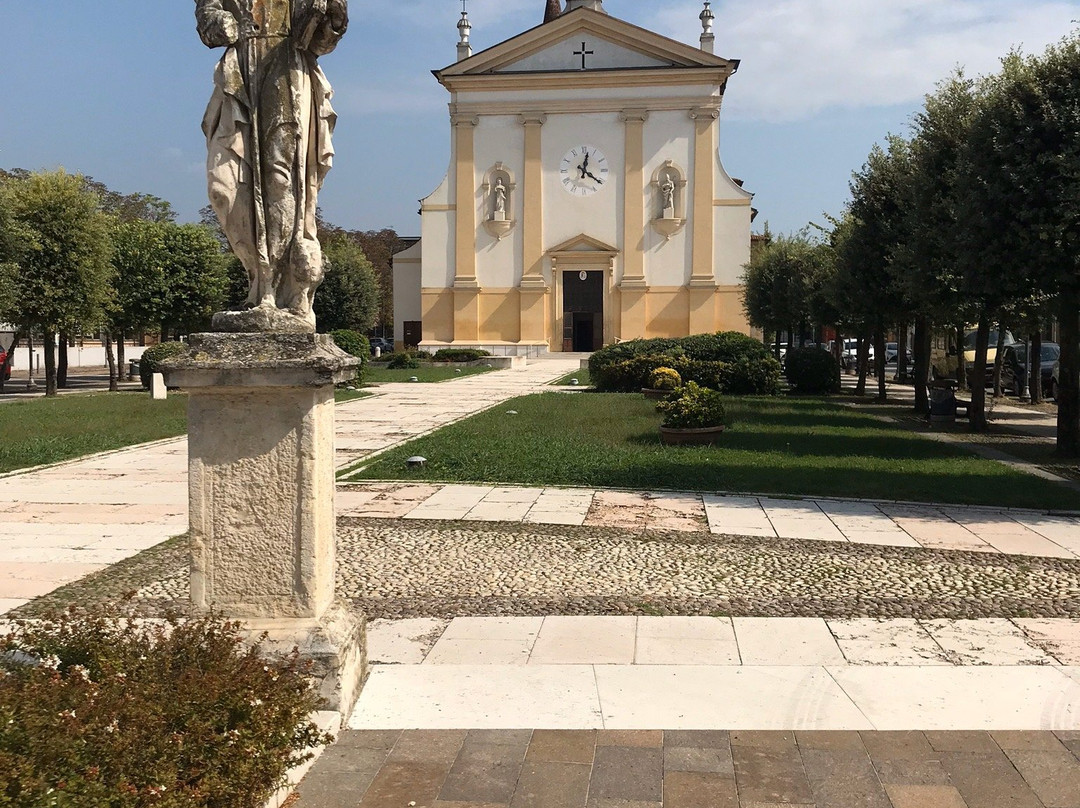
<point>586,202</point>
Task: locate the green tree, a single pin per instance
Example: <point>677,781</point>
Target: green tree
<point>63,275</point>
<point>778,283</point>
<point>196,278</point>
<point>349,295</point>
<point>1025,169</point>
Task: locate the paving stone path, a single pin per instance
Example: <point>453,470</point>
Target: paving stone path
<point>687,769</point>
<point>942,527</point>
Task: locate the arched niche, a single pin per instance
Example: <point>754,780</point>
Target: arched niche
<point>499,188</point>
<point>668,199</point>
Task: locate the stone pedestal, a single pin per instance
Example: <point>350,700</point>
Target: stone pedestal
<point>261,486</point>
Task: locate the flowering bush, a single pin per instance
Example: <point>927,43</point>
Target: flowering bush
<point>665,379</point>
<point>124,714</point>
<point>693,407</point>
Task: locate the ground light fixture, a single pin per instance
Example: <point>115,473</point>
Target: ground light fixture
<point>416,462</point>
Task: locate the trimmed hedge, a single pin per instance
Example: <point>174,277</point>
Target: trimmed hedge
<point>459,354</point>
<point>152,357</point>
<point>813,371</point>
<point>728,361</point>
<point>352,343</point>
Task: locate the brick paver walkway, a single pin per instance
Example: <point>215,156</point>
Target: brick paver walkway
<point>687,769</point>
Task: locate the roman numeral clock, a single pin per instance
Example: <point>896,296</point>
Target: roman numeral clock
<point>584,171</point>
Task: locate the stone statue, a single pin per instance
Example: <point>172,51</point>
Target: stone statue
<point>500,199</point>
<point>667,188</point>
<point>268,131</point>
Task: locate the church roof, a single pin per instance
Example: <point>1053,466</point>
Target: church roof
<point>626,47</point>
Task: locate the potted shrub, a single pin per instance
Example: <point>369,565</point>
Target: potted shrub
<point>662,382</point>
<point>693,415</point>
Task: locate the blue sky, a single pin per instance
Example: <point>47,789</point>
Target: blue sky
<point>116,89</point>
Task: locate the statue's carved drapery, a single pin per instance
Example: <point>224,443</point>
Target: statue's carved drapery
<point>269,128</point>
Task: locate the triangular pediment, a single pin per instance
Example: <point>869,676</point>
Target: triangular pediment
<point>557,47</point>
<point>584,244</point>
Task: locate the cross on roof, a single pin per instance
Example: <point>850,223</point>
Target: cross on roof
<point>583,53</point>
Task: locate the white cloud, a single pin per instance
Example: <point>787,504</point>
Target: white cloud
<point>800,57</point>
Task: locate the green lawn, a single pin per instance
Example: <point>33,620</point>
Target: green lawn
<point>40,431</point>
<point>379,374</point>
<point>773,445</point>
<point>584,380</point>
<point>342,395</point>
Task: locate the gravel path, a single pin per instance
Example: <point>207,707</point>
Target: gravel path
<point>394,569</point>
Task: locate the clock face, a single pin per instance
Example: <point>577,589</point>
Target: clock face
<point>584,170</point>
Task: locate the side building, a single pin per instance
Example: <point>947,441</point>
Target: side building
<point>586,202</point>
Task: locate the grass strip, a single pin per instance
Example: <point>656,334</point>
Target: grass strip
<point>428,374</point>
<point>781,446</point>
<point>51,430</point>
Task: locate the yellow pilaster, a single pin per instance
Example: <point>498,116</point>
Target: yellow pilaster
<point>466,314</point>
<point>633,316</point>
<point>534,290</point>
<point>465,198</point>
<point>702,213</point>
<point>702,310</point>
<point>634,197</point>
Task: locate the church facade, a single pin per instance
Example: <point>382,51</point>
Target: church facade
<point>586,202</point>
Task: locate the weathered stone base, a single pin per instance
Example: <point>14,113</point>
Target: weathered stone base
<point>336,644</point>
<point>261,320</point>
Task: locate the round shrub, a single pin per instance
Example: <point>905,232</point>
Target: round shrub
<point>665,379</point>
<point>813,371</point>
<point>152,357</point>
<point>99,710</point>
<point>352,343</point>
<point>753,377</point>
<point>631,375</point>
<point>403,361</point>
<point>693,407</point>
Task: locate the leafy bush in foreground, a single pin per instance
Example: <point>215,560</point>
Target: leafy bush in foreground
<point>665,379</point>
<point>127,714</point>
<point>693,407</point>
<point>813,371</point>
<point>152,357</point>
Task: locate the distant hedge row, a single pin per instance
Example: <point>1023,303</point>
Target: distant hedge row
<point>727,361</point>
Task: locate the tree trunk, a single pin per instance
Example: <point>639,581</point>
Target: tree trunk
<point>977,410</point>
<point>998,358</point>
<point>922,364</point>
<point>879,364</point>
<point>776,347</point>
<point>121,357</point>
<point>901,352</point>
<point>50,363</point>
<point>114,384</point>
<point>961,360</point>
<point>1034,370</point>
<point>1068,392</point>
<point>863,359</point>
<point>62,362</point>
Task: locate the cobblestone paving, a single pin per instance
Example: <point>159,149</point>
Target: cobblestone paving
<point>687,769</point>
<point>436,569</point>
<point>390,568</point>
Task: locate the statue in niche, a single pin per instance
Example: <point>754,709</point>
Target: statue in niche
<point>268,130</point>
<point>667,190</point>
<point>500,200</point>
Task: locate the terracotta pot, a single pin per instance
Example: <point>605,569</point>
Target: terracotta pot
<point>654,394</point>
<point>701,436</point>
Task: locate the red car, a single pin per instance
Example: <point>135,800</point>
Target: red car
<point>5,365</point>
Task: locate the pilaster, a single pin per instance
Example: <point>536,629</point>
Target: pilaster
<point>634,198</point>
<point>465,197</point>
<point>702,272</point>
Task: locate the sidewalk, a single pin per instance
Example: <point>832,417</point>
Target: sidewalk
<point>59,524</point>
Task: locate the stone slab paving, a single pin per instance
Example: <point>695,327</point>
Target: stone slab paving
<point>552,768</point>
<point>61,523</point>
<point>940,527</point>
<point>702,673</point>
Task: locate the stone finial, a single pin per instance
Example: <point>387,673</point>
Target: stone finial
<point>553,10</point>
<point>708,38</point>
<point>464,48</point>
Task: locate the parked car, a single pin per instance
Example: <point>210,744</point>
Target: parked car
<point>383,344</point>
<point>892,351</point>
<point>1014,367</point>
<point>5,365</point>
